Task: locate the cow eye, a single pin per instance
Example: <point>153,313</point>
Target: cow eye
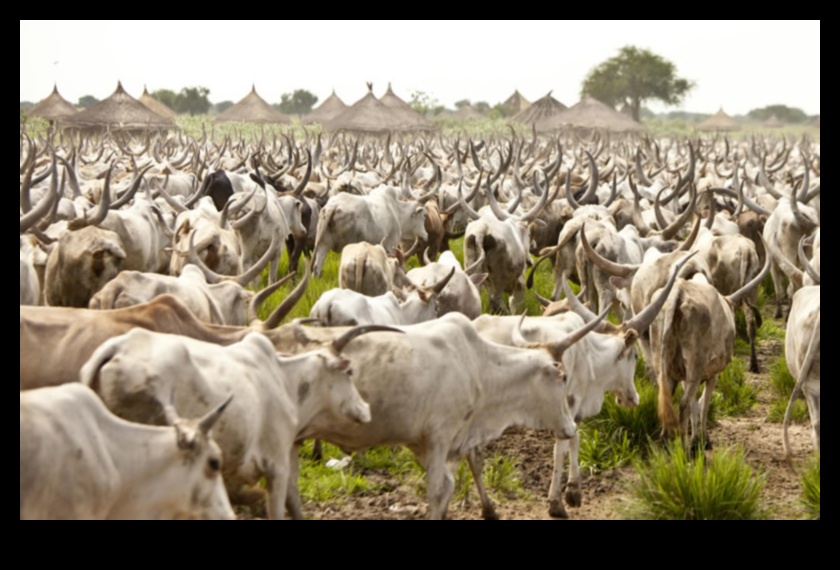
<point>214,465</point>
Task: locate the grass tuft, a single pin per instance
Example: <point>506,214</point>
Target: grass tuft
<point>811,490</point>
<point>673,485</point>
<point>733,396</point>
<point>782,385</point>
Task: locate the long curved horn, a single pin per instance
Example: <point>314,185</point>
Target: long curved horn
<point>468,210</point>
<point>288,303</point>
<point>805,223</point>
<point>104,202</point>
<point>640,171</point>
<point>135,185</point>
<point>611,267</point>
<point>253,213</point>
<point>741,195</point>
<point>494,206</point>
<point>263,296</point>
<point>710,220</point>
<point>806,263</point>
<point>638,220</point>
<point>39,211</point>
<point>438,287</point>
<point>569,196</point>
<point>207,423</point>
<point>171,201</point>
<point>470,271</point>
<point>806,181</point>
<point>298,192</point>
<point>671,231</point>
<point>558,348</point>
<point>641,322</point>
<point>577,307</point>
<point>534,212</point>
<point>339,344</point>
<point>788,268</point>
<point>591,194</point>
<point>738,296</point>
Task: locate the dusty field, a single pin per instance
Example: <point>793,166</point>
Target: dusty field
<point>604,494</point>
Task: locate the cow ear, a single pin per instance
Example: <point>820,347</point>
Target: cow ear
<point>420,211</point>
<point>479,279</point>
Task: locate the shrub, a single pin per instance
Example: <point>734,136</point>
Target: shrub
<point>811,490</point>
<point>674,485</point>
<point>734,396</point>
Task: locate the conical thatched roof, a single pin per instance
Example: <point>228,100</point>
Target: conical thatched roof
<point>155,105</point>
<point>328,110</point>
<point>368,115</point>
<point>774,122</point>
<point>590,114</point>
<point>414,121</point>
<point>516,102</point>
<point>253,109</point>
<point>467,112</point>
<point>53,108</point>
<point>720,121</point>
<point>544,108</point>
<point>119,112</point>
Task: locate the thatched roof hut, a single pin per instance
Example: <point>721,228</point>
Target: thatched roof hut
<point>720,121</point>
<point>413,120</point>
<point>516,102</point>
<point>544,108</point>
<point>332,107</point>
<point>253,109</point>
<point>53,108</point>
<point>156,106</point>
<point>119,112</point>
<point>590,114</point>
<point>368,115</point>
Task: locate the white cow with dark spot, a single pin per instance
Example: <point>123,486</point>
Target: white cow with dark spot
<point>79,461</point>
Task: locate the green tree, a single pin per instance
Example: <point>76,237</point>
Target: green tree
<point>222,106</point>
<point>501,111</point>
<point>167,97</point>
<point>462,103</point>
<point>298,103</point>
<point>26,105</point>
<point>423,103</point>
<point>634,76</point>
<point>87,101</point>
<point>193,100</point>
<point>781,112</point>
<point>482,107</point>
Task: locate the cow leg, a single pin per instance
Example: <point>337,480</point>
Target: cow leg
<point>708,394</point>
<point>574,496</point>
<point>779,286</point>
<point>689,409</point>
<point>476,462</point>
<point>277,480</point>
<point>440,484</point>
<point>293,503</point>
<point>750,314</point>
<point>556,509</point>
<point>560,277</point>
<point>320,258</point>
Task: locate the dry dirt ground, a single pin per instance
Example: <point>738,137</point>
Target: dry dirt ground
<point>605,494</point>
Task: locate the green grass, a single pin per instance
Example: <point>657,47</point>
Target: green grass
<point>811,490</point>
<point>782,385</point>
<point>501,478</point>
<point>770,330</point>
<point>673,485</point>
<point>319,483</point>
<point>733,396</point>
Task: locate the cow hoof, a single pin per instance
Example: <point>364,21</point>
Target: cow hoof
<point>778,314</point>
<point>490,515</point>
<point>557,511</point>
<point>754,369</point>
<point>574,498</point>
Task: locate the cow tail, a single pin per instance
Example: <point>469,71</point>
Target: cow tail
<point>89,375</point>
<point>666,396</point>
<point>361,262</point>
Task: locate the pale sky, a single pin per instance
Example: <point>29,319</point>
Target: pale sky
<point>737,65</point>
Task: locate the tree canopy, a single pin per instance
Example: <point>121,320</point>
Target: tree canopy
<point>782,112</point>
<point>193,100</point>
<point>167,97</point>
<point>298,103</point>
<point>87,101</point>
<point>634,76</point>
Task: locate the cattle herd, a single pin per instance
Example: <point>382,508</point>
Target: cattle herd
<point>141,258</point>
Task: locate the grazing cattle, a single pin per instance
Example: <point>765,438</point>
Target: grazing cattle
<point>461,293</point>
<point>802,350</point>
<point>78,461</point>
<point>380,217</point>
<point>693,341</point>
<point>81,263</point>
<point>461,394</point>
<point>369,270</point>
<point>218,248</point>
<point>275,398</point>
<point>346,308</point>
<point>604,361</point>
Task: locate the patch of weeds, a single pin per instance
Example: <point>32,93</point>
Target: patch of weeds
<point>733,396</point>
<point>811,490</point>
<point>782,385</point>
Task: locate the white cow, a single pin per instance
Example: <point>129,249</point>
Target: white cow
<point>79,461</point>
<point>444,392</point>
<point>460,295</point>
<point>275,398</point>
<point>802,350</point>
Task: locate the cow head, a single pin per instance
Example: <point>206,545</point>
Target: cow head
<point>192,484</point>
